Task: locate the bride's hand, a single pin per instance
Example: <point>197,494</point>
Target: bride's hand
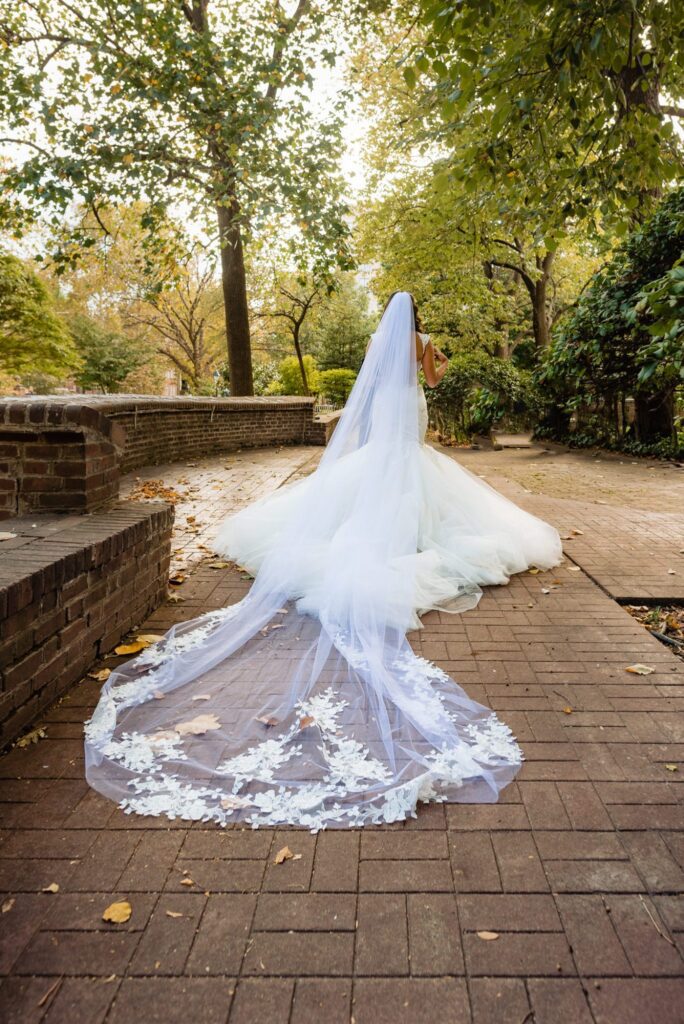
<point>440,356</point>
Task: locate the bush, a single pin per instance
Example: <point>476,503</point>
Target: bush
<point>290,381</point>
<point>336,385</point>
<point>479,391</point>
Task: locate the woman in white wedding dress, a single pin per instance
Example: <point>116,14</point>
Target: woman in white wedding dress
<point>304,703</point>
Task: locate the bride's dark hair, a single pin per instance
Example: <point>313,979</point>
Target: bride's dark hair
<point>416,319</point>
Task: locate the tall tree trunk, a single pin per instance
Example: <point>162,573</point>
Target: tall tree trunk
<point>235,303</point>
<point>300,359</point>
<point>540,312</point>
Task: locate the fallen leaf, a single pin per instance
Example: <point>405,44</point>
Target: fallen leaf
<point>668,767</point>
<point>268,720</point>
<point>50,992</point>
<point>158,694</point>
<point>577,533</point>
<point>32,737</point>
<point>177,579</point>
<point>488,936</point>
<point>118,913</point>
<point>217,565</point>
<point>52,887</point>
<point>533,572</point>
<point>230,803</point>
<point>567,711</point>
<point>574,568</point>
<point>187,881</point>
<point>671,572</point>
<point>162,736</point>
<point>174,598</point>
<point>202,696</point>
<point>305,722</point>
<point>149,638</point>
<point>283,855</point>
<point>173,913</point>
<point>7,536</point>
<point>640,670</point>
<point>198,726</point>
<point>133,648</point>
<point>101,675</point>
<point>7,905</point>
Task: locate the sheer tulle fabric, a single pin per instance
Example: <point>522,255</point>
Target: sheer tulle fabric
<point>304,703</point>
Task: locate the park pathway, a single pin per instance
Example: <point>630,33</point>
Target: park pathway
<point>559,905</point>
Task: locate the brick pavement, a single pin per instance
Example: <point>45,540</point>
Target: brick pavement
<point>578,870</point>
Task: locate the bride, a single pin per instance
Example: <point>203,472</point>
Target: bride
<point>304,703</point>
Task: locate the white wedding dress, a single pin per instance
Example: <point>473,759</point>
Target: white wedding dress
<point>469,535</point>
<point>304,703</point>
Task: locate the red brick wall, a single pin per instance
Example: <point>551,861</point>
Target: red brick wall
<point>59,454</point>
<point>70,588</point>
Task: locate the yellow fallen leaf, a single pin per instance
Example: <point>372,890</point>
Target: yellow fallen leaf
<point>177,579</point>
<point>174,598</point>
<point>32,737</point>
<point>567,711</point>
<point>149,638</point>
<point>101,675</point>
<point>198,726</point>
<point>488,936</point>
<point>118,913</point>
<point>305,722</point>
<point>574,568</point>
<point>173,913</point>
<point>283,855</point>
<point>640,670</point>
<point>217,565</point>
<point>672,767</point>
<point>133,648</point>
<point>52,887</point>
<point>187,881</point>
<point>202,696</point>
<point>533,572</point>
<point>7,905</point>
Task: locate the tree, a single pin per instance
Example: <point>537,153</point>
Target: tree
<point>294,301</point>
<point>624,338</point>
<point>563,110</point>
<point>204,103</point>
<point>338,330</point>
<point>107,358</point>
<point>32,335</point>
<point>183,320</point>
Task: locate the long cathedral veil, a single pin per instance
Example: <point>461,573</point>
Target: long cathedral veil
<point>304,703</point>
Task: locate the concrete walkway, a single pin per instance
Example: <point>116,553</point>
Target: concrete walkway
<point>559,905</point>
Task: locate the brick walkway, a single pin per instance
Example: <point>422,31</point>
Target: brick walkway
<point>577,870</point>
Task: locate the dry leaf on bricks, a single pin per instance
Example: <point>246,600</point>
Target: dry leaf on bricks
<point>118,913</point>
<point>198,726</point>
<point>286,854</point>
<point>640,670</point>
<point>101,675</point>
<point>488,936</point>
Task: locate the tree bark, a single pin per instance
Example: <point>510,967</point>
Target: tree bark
<point>300,359</point>
<point>235,303</point>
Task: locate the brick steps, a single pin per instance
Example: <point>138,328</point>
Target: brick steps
<point>70,588</point>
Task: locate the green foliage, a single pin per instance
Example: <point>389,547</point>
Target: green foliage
<point>663,302</point>
<point>289,380</point>
<point>624,337</point>
<point>265,374</point>
<point>107,357</point>
<point>555,108</point>
<point>336,385</point>
<point>178,103</point>
<point>338,331</point>
<point>32,335</point>
<point>479,391</point>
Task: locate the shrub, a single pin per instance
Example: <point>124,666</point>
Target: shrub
<point>290,381</point>
<point>336,385</point>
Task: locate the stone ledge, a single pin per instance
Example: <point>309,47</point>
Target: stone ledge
<point>70,588</point>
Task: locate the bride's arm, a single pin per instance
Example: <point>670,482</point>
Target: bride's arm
<point>433,372</point>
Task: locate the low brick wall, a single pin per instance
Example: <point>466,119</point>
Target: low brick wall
<point>59,453</point>
<point>70,588</point>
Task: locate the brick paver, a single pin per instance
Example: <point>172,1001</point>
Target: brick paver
<point>577,871</point>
